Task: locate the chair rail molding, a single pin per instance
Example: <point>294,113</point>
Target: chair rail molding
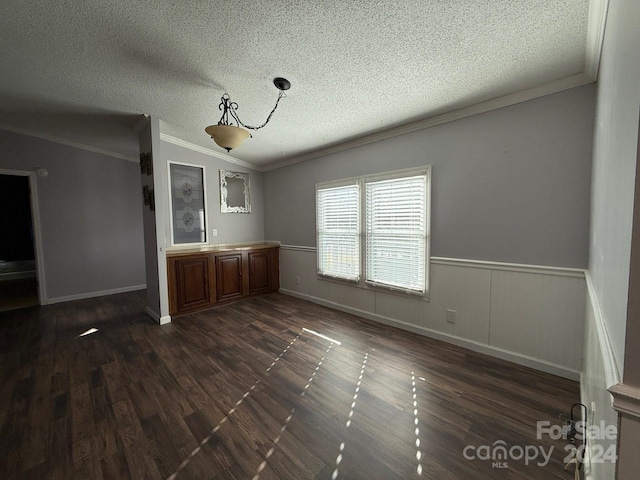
<point>626,399</point>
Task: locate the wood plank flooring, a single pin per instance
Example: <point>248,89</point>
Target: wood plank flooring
<point>241,391</point>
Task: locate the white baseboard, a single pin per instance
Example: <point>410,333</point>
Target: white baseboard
<point>160,320</point>
<point>496,352</point>
<point>101,293</point>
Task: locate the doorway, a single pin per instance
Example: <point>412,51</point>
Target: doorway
<point>21,272</point>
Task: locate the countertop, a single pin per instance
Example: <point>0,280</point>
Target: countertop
<point>179,250</point>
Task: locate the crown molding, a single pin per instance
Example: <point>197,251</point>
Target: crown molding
<point>68,143</point>
<point>556,86</point>
<point>207,151</point>
<point>595,36</point>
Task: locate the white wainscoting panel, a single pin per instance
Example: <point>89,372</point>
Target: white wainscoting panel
<point>302,264</point>
<point>599,373</point>
<point>541,316</point>
<point>527,314</point>
<point>465,290</point>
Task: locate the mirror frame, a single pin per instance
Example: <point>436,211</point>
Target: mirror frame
<point>224,208</point>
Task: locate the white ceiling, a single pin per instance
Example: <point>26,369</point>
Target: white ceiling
<point>84,70</point>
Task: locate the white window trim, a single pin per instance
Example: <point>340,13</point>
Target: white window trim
<point>361,181</point>
<point>333,184</point>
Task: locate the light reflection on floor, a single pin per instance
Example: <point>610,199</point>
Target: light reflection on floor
<point>415,422</point>
<point>336,471</point>
<point>283,428</point>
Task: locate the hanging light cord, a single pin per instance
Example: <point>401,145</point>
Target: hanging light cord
<point>230,107</point>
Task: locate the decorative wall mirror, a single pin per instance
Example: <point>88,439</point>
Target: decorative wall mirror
<point>234,192</point>
<point>188,204</point>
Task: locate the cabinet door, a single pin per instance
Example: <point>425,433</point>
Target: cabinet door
<point>259,271</point>
<point>229,276</point>
<point>192,281</point>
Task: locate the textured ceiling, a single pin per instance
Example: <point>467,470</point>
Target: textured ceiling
<point>82,69</point>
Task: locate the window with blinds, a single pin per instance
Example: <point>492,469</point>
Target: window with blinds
<point>396,232</point>
<point>374,230</point>
<point>338,230</point>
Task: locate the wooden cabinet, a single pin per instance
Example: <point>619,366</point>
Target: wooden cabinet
<point>229,276</point>
<point>192,281</point>
<point>263,269</point>
<point>200,280</point>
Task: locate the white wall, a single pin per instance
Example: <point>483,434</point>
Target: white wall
<point>612,196</point>
<point>614,167</point>
<point>510,185</point>
<point>90,215</point>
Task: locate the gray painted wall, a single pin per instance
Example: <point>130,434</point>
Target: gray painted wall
<point>614,167</point>
<point>90,212</point>
<point>232,227</point>
<point>510,185</point>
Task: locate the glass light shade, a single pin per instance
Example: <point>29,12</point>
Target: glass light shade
<point>227,136</point>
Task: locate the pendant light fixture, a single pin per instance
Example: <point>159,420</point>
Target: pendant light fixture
<point>230,136</point>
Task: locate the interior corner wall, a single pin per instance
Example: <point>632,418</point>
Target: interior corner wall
<point>612,200</point>
<point>231,227</point>
<point>510,185</point>
<point>90,216</point>
<point>510,213</point>
<point>614,167</point>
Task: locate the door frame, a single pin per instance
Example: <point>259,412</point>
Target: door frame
<point>37,234</point>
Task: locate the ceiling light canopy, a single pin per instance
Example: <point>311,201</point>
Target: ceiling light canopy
<point>230,136</point>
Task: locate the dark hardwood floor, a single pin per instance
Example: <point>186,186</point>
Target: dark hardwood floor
<point>241,391</point>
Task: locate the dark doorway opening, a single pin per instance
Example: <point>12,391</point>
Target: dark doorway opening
<point>18,277</point>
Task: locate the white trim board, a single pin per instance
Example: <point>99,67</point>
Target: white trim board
<point>611,370</point>
<point>502,354</point>
<point>595,36</point>
<point>566,83</point>
<point>37,232</point>
<point>486,264</point>
<point>207,151</point>
<point>101,293</point>
<point>511,267</point>
<point>160,320</point>
<point>68,143</point>
<point>298,248</point>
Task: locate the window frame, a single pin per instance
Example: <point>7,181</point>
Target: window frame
<point>335,184</point>
<point>362,207</point>
<point>204,199</point>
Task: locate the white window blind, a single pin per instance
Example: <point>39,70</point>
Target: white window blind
<point>396,232</point>
<point>338,217</point>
